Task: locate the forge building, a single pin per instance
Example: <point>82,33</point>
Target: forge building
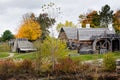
<point>91,40</point>
<point>21,45</point>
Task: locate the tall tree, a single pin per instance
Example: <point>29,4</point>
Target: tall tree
<point>45,22</point>
<point>7,35</point>
<point>94,19</point>
<point>46,50</point>
<point>52,10</point>
<point>66,24</point>
<point>116,21</point>
<point>106,16</point>
<point>91,18</point>
<point>50,13</point>
<point>83,19</point>
<point>29,28</point>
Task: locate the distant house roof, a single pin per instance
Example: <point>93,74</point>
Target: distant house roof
<point>71,33</point>
<point>22,44</point>
<point>86,33</point>
<point>26,46</point>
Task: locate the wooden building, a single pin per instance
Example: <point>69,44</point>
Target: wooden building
<point>95,40</point>
<point>21,45</point>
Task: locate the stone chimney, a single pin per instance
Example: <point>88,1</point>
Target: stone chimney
<point>110,26</point>
<point>87,25</point>
<point>79,25</point>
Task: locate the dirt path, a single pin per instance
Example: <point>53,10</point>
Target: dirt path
<point>91,61</point>
<point>10,56</point>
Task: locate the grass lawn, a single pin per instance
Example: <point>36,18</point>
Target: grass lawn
<point>76,56</point>
<point>87,57</point>
<point>93,56</point>
<point>31,55</point>
<point>4,54</point>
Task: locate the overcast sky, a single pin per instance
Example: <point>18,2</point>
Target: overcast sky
<point>11,11</point>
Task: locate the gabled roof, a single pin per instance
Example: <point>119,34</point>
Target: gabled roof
<point>71,33</point>
<point>25,45</point>
<point>85,33</point>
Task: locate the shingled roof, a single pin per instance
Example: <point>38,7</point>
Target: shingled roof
<point>86,33</point>
<point>71,33</point>
<point>22,44</point>
<point>26,46</point>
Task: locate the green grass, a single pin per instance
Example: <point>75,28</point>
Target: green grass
<point>81,57</point>
<point>72,51</point>
<point>31,55</point>
<point>117,55</point>
<point>93,56</point>
<point>4,54</point>
<point>87,57</point>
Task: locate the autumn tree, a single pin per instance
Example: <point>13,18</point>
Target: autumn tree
<point>29,28</point>
<point>51,12</point>
<point>48,18</point>
<point>116,21</point>
<point>94,19</point>
<point>66,24</point>
<point>83,19</point>
<point>106,16</point>
<point>7,35</point>
<point>51,47</point>
<point>91,18</point>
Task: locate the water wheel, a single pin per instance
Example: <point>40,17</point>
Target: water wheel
<point>101,45</point>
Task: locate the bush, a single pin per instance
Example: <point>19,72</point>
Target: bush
<point>45,65</point>
<point>4,47</point>
<point>67,65</point>
<point>7,68</point>
<point>25,66</point>
<point>109,62</point>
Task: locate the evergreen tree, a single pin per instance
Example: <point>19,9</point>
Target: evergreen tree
<point>106,16</point>
<point>45,23</point>
<point>7,35</point>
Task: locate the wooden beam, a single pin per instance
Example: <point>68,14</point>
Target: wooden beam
<point>111,45</point>
<point>119,44</point>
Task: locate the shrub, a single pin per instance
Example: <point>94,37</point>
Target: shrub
<point>67,69</point>
<point>52,49</point>
<point>25,66</point>
<point>67,65</point>
<point>109,62</point>
<point>4,47</point>
<point>7,68</point>
<point>46,65</point>
<point>10,68</point>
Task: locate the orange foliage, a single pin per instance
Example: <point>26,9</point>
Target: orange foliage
<point>116,20</point>
<point>89,19</point>
<point>30,29</point>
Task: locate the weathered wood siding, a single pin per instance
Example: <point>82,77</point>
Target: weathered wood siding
<point>62,36</point>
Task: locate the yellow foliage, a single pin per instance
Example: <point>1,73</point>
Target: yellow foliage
<point>30,29</point>
<point>116,20</point>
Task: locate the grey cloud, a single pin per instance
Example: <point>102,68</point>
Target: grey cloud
<point>24,4</point>
<point>11,11</point>
<point>21,3</point>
